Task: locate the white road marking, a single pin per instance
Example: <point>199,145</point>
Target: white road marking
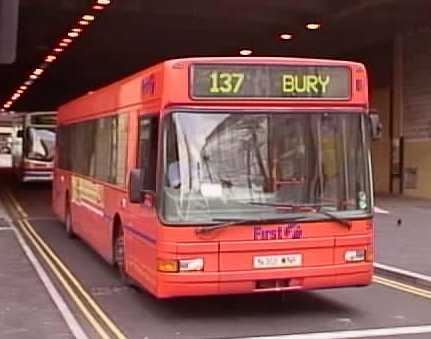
<point>397,270</point>
<point>374,332</point>
<point>380,210</point>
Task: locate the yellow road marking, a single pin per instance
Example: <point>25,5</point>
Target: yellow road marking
<point>402,287</point>
<point>96,308</point>
<point>16,204</point>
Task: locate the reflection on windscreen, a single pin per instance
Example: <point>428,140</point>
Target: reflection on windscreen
<point>233,165</point>
<point>40,144</point>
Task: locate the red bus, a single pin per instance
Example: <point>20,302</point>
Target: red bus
<point>229,175</point>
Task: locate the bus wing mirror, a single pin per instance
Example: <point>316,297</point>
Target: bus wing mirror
<point>376,127</point>
<point>135,185</point>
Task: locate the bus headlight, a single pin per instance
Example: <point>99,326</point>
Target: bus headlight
<point>186,265</point>
<point>354,255</point>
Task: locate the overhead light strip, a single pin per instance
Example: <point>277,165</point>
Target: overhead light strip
<point>74,32</point>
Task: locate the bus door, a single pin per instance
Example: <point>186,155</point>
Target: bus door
<point>141,219</point>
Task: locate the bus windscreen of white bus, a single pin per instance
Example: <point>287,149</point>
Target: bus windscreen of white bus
<point>40,144</point>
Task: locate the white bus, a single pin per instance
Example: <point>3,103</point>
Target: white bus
<point>33,146</point>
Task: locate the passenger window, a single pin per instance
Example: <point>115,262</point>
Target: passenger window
<point>147,151</point>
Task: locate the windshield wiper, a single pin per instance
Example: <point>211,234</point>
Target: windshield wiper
<point>227,222</point>
<point>310,207</point>
<point>342,221</point>
<point>300,207</point>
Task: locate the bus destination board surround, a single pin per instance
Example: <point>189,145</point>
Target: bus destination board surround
<point>270,82</point>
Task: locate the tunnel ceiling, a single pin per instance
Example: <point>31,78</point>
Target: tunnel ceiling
<point>132,34</point>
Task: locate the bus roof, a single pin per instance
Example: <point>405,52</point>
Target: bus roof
<point>168,84</point>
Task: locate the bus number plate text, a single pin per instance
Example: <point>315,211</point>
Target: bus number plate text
<point>274,261</point>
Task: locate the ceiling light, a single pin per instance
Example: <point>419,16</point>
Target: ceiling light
<point>29,82</point>
<point>2,110</point>
<point>38,71</point>
<point>286,36</point>
<point>83,23</point>
<point>312,26</point>
<point>103,2</point>
<point>67,40</point>
<point>15,96</point>
<point>50,58</point>
<point>63,44</point>
<point>20,91</point>
<point>23,87</point>
<point>88,17</point>
<point>33,76</point>
<point>58,50</point>
<point>98,8</point>
<point>73,34</point>
<point>77,30</point>
<point>245,52</point>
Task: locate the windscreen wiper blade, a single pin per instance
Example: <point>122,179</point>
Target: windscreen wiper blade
<point>227,222</point>
<point>342,221</point>
<point>292,206</point>
<point>301,207</point>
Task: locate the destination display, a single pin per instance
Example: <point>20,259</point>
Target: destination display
<point>44,119</point>
<point>270,82</point>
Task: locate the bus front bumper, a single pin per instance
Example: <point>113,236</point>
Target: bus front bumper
<point>266,280</point>
<point>37,176</point>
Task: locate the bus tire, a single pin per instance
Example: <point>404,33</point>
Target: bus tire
<point>69,224</point>
<point>119,256</point>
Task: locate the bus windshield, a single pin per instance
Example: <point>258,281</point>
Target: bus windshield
<point>40,143</point>
<point>257,165</point>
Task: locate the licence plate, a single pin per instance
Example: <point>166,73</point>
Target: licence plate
<point>272,261</point>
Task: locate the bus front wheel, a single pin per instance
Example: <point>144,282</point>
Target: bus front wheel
<point>119,256</point>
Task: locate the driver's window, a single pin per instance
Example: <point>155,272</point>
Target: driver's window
<point>147,149</point>
<point>173,178</point>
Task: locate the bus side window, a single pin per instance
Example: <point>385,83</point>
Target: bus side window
<point>147,151</point>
